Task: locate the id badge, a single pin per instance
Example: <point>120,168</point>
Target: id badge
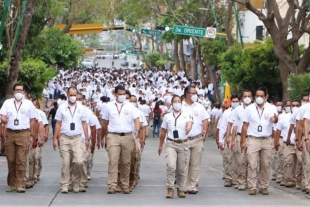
<point>175,134</point>
<point>259,128</point>
<point>16,122</point>
<point>72,126</point>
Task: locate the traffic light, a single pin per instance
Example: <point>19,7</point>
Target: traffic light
<point>159,27</point>
<point>130,30</point>
<point>163,28</point>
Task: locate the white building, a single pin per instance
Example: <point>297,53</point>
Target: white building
<point>253,29</point>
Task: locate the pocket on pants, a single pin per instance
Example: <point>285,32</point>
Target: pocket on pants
<point>186,155</point>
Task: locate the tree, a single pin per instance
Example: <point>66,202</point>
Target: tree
<point>152,58</point>
<point>16,56</point>
<point>33,73</point>
<point>299,85</point>
<point>57,49</point>
<point>252,67</point>
<point>295,22</point>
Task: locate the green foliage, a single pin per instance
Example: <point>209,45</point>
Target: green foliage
<point>212,49</point>
<point>152,58</point>
<point>161,63</point>
<point>94,41</point>
<point>251,67</point>
<point>298,84</point>
<point>56,48</point>
<point>33,74</point>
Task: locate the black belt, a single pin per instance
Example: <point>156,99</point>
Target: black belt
<point>259,137</point>
<point>177,141</point>
<point>194,137</point>
<point>18,130</point>
<point>121,134</point>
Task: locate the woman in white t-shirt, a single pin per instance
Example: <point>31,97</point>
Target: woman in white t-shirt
<point>176,125</point>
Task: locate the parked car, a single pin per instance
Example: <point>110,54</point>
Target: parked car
<point>125,64</point>
<point>110,56</point>
<point>88,63</point>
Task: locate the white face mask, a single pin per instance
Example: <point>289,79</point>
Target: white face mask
<point>194,98</point>
<point>288,109</point>
<point>121,98</point>
<point>247,100</point>
<point>72,99</point>
<point>279,108</point>
<point>177,106</point>
<point>259,100</point>
<point>79,102</point>
<point>19,96</point>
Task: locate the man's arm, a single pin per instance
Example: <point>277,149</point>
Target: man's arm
<point>228,133</point>
<point>93,132</point>
<point>163,133</point>
<point>104,132</point>
<point>289,134</point>
<point>276,139</point>
<point>205,125</point>
<point>33,131</point>
<point>56,134</point>
<point>243,135</point>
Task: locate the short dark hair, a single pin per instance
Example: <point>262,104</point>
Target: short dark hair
<point>187,89</point>
<point>262,89</point>
<point>63,97</point>
<point>233,97</point>
<point>128,93</point>
<point>285,102</point>
<point>295,100</point>
<point>104,99</point>
<point>305,94</point>
<point>71,87</point>
<point>119,87</point>
<point>175,96</point>
<point>17,84</point>
<point>246,91</point>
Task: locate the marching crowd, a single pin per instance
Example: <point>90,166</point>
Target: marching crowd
<point>115,109</point>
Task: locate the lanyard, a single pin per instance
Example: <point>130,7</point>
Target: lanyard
<point>176,118</point>
<point>17,110</point>
<point>119,110</point>
<point>72,115</point>
<point>260,115</point>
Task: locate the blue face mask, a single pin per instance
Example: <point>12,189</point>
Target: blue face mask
<point>234,105</point>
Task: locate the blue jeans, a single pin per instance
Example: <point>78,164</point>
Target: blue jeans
<point>156,124</point>
<point>53,125</point>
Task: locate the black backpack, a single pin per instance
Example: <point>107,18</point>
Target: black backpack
<point>156,116</point>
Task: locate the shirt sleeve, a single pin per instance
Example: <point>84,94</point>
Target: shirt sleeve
<point>105,113</point>
<point>205,115</point>
<point>58,115</point>
<point>33,112</point>
<point>279,125</point>
<point>164,125</point>
<point>3,110</point>
<point>247,115</point>
<point>307,114</point>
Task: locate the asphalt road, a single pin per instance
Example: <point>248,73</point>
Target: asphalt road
<point>107,63</point>
<point>151,188</point>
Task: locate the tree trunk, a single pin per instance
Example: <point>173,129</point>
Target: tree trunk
<point>176,55</point>
<point>141,49</point>
<point>284,72</point>
<point>181,56</point>
<point>227,24</point>
<point>17,57</point>
<point>216,95</point>
<point>193,64</point>
<point>202,67</point>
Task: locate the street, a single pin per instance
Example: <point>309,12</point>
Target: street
<point>151,188</point>
<point>107,63</point>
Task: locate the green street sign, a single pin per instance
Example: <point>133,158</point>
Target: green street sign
<point>190,31</point>
<point>151,32</point>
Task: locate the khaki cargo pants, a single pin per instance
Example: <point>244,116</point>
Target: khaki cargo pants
<point>16,149</point>
<point>259,159</point>
<point>177,158</point>
<point>196,149</point>
<point>71,151</point>
<point>119,148</point>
